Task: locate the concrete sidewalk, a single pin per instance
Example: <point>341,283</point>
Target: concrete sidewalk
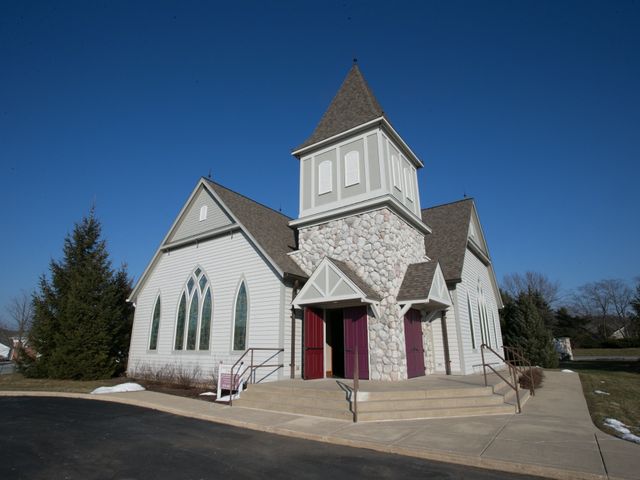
<point>553,437</point>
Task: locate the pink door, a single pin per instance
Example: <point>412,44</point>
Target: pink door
<point>313,364</point>
<point>355,330</point>
<point>413,343</point>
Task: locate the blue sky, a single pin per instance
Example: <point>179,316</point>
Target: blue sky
<point>532,108</point>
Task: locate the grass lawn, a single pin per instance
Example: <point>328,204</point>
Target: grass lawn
<point>621,380</point>
<point>607,352</point>
<point>17,381</point>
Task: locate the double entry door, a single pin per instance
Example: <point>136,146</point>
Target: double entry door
<point>354,333</point>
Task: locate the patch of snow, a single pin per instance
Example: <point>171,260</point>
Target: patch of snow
<point>620,427</point>
<point>601,381</point>
<point>566,370</point>
<point>600,392</point>
<point>123,387</point>
<point>208,393</point>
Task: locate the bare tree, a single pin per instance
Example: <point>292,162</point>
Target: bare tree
<point>20,310</point>
<point>606,301</point>
<point>531,283</point>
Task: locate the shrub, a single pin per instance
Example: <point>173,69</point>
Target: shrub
<point>525,378</point>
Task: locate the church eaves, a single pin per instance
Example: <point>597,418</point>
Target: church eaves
<point>353,105</point>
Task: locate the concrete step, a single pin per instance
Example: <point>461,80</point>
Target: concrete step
<point>341,414</point>
<point>502,409</point>
<point>287,398</point>
<point>391,395</point>
<point>429,403</point>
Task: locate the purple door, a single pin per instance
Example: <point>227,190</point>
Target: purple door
<point>413,342</point>
<point>313,366</point>
<point>355,330</point>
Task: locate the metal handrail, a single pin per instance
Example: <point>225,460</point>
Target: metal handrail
<point>251,368</point>
<point>356,385</point>
<point>523,365</point>
<point>512,371</point>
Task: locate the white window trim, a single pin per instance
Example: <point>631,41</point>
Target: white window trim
<point>408,184</point>
<point>189,297</point>
<point>246,326</point>
<point>474,345</point>
<point>352,168</point>
<point>153,311</point>
<point>395,171</point>
<point>203,212</point>
<point>325,177</point>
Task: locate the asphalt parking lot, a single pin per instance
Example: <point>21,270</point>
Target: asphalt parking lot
<point>61,438</point>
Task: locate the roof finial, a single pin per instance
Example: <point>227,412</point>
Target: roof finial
<point>355,61</point>
<point>209,176</point>
<point>464,194</point>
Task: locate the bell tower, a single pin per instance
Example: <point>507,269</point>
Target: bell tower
<point>355,159</point>
<point>360,211</point>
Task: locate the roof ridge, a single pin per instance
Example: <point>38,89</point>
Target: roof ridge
<point>288,218</point>
<point>448,203</point>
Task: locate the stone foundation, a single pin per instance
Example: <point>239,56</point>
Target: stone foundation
<point>378,246</point>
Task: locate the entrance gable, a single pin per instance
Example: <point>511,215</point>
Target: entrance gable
<point>329,283</point>
<point>439,291</point>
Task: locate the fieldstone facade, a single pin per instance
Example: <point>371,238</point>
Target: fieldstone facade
<point>378,246</point>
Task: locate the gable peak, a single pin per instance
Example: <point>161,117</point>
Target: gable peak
<point>353,105</point>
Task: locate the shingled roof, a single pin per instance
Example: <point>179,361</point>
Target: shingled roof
<point>353,105</point>
<point>269,228</point>
<point>417,281</point>
<point>448,241</point>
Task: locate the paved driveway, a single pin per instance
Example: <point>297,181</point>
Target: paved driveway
<point>61,438</point>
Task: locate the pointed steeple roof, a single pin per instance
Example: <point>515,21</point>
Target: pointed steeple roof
<point>353,105</point>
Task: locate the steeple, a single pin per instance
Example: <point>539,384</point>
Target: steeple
<point>353,105</point>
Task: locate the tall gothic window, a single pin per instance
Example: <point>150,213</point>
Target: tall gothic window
<point>193,325</point>
<point>470,312</point>
<point>240,319</point>
<point>155,324</point>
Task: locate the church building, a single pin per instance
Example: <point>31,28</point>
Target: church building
<point>363,271</point>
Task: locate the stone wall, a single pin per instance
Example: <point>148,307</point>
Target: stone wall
<point>378,246</point>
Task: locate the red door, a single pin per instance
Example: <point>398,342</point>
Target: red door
<point>413,342</point>
<point>313,364</point>
<point>355,330</point>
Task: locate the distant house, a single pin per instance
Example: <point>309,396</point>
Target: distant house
<point>6,344</point>
<point>4,351</point>
<point>362,269</point>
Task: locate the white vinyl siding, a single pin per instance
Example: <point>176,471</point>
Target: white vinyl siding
<point>226,260</point>
<point>475,273</point>
<point>192,223</point>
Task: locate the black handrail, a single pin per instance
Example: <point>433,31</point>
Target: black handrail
<point>251,368</point>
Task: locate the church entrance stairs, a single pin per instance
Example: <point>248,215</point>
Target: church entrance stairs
<point>432,396</point>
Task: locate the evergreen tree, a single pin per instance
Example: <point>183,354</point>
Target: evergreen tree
<point>524,328</point>
<point>81,322</point>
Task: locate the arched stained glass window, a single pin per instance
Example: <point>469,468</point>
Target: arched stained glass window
<point>205,326</point>
<point>240,319</point>
<point>155,324</point>
<point>193,322</point>
<point>193,331</point>
<point>182,314</point>
<point>472,330</point>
